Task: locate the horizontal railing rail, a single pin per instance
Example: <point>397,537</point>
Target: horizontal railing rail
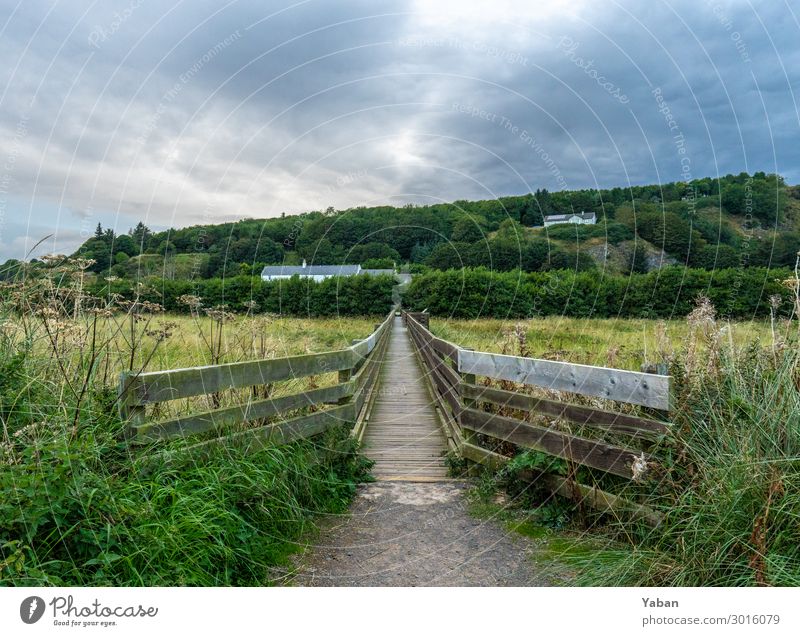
<point>329,406</point>
<point>474,411</point>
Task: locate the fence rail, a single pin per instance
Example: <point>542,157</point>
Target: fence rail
<point>472,409</point>
<point>341,403</point>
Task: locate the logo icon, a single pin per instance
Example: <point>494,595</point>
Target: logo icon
<point>31,609</point>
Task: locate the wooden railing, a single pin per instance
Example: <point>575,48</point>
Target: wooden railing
<point>470,409</point>
<point>249,422</point>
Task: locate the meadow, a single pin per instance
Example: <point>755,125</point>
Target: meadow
<point>726,479</point>
<point>78,510</point>
<point>626,343</point>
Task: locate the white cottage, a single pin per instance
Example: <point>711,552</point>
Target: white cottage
<point>584,218</point>
<point>317,272</point>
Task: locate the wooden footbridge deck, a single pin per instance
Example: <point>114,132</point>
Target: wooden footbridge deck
<point>404,434</point>
<point>408,396</point>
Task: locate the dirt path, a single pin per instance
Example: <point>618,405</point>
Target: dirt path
<point>416,534</point>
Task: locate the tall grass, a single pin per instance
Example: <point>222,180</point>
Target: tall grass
<point>735,516</point>
<point>727,478</point>
<point>79,506</point>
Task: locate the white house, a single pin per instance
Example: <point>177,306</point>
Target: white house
<point>584,218</point>
<point>317,272</point>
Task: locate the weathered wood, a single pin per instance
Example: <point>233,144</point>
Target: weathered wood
<point>161,386</point>
<point>443,347</point>
<point>582,415</point>
<point>256,439</point>
<point>483,456</point>
<point>419,317</point>
<point>448,418</point>
<point>591,496</point>
<point>364,347</point>
<point>403,434</point>
<point>587,452</point>
<point>613,384</point>
<point>219,418</point>
<point>443,383</point>
<point>129,412</point>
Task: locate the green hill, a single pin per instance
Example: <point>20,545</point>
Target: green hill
<point>735,221</point>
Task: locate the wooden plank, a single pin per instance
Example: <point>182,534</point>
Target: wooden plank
<point>587,452</point>
<point>256,439</point>
<point>161,386</point>
<point>443,347</point>
<point>442,382</point>
<point>583,415</point>
<point>591,496</point>
<point>403,434</point>
<point>483,456</point>
<point>219,418</point>
<point>633,387</point>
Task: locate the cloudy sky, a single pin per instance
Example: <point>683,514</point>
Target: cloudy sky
<point>204,111</point>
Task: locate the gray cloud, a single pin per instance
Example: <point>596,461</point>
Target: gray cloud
<point>207,111</point>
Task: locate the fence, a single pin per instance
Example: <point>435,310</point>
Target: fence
<point>313,411</point>
<point>470,409</point>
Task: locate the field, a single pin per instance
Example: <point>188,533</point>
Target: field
<point>618,343</point>
<point>76,510</point>
<point>726,478</point>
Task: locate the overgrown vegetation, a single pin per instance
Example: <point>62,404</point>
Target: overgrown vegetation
<point>80,506</point>
<point>726,479</point>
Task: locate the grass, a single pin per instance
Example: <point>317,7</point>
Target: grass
<point>727,478</point>
<point>620,343</point>
<point>76,508</point>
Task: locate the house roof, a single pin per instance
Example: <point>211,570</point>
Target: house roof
<point>311,270</point>
<point>564,217</point>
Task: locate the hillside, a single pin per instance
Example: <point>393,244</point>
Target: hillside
<point>738,220</point>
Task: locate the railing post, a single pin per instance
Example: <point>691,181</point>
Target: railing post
<point>467,403</point>
<point>344,376</point>
<point>132,415</point>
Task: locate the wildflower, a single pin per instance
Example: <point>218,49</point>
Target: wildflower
<point>639,467</point>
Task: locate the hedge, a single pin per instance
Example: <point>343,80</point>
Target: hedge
<point>666,293</point>
<point>344,296</point>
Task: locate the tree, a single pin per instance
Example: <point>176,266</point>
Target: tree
<point>141,236</point>
<point>98,233</point>
<point>637,259</point>
<point>468,230</point>
<point>448,256</point>
<point>536,255</point>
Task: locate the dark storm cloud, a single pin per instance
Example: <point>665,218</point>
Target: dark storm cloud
<point>206,111</point>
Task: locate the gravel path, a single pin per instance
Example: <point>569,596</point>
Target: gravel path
<point>416,534</point>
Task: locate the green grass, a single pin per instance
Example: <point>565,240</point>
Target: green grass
<point>727,479</point>
<point>78,510</point>
<point>620,343</point>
